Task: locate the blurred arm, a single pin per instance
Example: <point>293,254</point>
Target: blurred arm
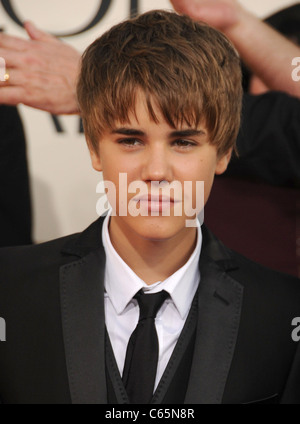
<point>265,51</point>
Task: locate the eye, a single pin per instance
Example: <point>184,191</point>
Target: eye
<point>184,144</point>
<point>130,142</point>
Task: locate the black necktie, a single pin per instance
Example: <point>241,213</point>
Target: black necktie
<point>142,351</point>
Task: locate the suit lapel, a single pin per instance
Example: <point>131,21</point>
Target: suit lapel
<point>219,310</point>
<point>82,302</point>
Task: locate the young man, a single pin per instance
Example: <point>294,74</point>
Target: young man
<point>141,307</point>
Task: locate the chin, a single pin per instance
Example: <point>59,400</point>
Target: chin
<point>158,228</point>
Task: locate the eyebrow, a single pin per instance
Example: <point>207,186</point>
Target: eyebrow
<point>128,131</point>
<point>187,133</point>
<point>178,133</point>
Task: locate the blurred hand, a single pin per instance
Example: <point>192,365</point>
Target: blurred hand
<point>43,72</point>
<point>221,14</point>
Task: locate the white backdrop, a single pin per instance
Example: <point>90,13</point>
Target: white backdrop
<point>63,184</point>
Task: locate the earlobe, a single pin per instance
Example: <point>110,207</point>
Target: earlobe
<point>223,163</point>
<point>96,161</point>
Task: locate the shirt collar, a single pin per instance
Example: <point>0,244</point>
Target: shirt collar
<point>121,283</point>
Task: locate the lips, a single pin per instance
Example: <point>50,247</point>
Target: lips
<point>150,198</point>
<point>155,204</point>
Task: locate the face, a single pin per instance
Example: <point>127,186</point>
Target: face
<point>156,155</point>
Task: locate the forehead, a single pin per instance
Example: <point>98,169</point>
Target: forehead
<point>142,111</point>
<point>146,110</point>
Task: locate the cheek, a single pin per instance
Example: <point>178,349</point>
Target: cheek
<point>110,174</point>
<point>199,170</point>
<point>119,173</point>
<point>113,164</point>
<point>126,161</point>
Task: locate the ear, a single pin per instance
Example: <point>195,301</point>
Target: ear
<point>95,158</point>
<point>223,162</point>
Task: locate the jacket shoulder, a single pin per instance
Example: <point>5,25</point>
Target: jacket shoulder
<point>266,289</point>
<point>26,259</point>
<point>24,263</point>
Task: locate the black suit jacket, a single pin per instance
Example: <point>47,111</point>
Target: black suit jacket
<point>51,297</point>
<point>15,205</point>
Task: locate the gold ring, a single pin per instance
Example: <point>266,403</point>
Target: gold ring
<point>6,77</point>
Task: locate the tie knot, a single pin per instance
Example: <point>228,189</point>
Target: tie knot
<point>150,304</point>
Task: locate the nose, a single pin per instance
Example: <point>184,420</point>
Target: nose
<point>157,165</point>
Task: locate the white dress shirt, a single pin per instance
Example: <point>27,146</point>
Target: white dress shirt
<point>122,311</point>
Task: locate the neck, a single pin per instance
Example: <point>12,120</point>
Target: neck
<point>152,260</point>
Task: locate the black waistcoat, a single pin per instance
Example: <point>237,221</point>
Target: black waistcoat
<point>174,382</point>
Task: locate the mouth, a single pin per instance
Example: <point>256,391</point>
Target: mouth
<point>155,203</point>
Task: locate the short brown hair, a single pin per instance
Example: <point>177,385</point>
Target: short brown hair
<point>189,69</point>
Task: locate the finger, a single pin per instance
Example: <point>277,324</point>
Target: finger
<point>18,78</point>
<point>11,95</point>
<point>8,82</point>
<point>37,34</point>
<point>36,98</point>
<point>13,43</point>
<point>33,80</point>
